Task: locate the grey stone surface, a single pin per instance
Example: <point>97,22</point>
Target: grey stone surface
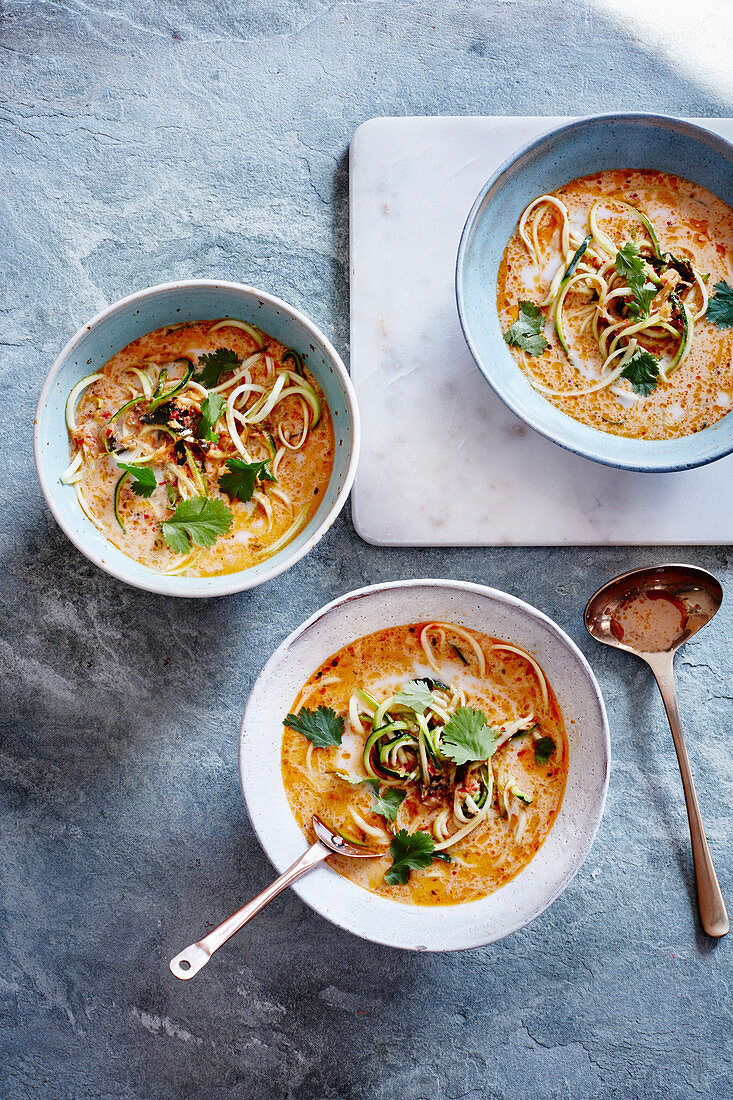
<point>143,141</point>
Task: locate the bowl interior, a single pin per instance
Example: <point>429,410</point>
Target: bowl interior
<point>579,149</point>
<point>112,330</point>
<point>438,928</point>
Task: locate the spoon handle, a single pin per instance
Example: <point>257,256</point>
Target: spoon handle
<point>193,958</point>
<point>713,913</point>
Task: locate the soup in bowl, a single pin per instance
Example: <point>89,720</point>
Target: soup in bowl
<point>595,289</point>
<point>197,438</point>
<point>439,744</point>
<point>452,728</point>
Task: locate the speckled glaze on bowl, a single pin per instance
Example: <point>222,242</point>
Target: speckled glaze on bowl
<point>578,149</point>
<point>191,300</point>
<point>428,928</point>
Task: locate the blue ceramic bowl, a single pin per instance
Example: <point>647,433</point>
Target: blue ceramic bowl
<point>143,312</point>
<point>578,149</point>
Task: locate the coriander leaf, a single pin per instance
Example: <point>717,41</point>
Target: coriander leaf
<point>467,736</point>
<point>630,265</point>
<point>211,409</point>
<point>215,363</point>
<point>643,298</point>
<point>387,804</point>
<point>416,695</point>
<point>720,306</point>
<point>642,371</point>
<point>144,484</point>
<point>322,726</point>
<point>526,332</point>
<point>199,521</point>
<point>410,852</point>
<point>240,483</point>
<point>543,750</point>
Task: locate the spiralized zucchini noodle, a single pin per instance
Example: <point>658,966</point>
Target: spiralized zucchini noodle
<point>404,747</point>
<point>186,424</point>
<point>590,291</point>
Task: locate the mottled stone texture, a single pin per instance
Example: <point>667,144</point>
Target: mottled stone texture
<point>143,141</point>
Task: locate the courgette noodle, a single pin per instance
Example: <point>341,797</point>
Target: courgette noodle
<point>587,282</point>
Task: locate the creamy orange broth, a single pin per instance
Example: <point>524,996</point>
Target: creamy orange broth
<point>689,222</point>
<point>487,858</point>
<point>303,474</point>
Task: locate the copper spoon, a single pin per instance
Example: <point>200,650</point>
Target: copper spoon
<point>189,961</point>
<point>651,613</point>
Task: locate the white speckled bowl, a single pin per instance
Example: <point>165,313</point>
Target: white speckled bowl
<point>145,311</point>
<point>429,928</point>
<point>577,149</point>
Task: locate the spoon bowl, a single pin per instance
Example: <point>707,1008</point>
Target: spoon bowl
<point>651,613</point>
<point>697,594</point>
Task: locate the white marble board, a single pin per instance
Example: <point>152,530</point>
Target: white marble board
<point>443,462</point>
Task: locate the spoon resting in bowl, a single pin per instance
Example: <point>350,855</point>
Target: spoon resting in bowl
<point>193,958</point>
<point>651,613</point>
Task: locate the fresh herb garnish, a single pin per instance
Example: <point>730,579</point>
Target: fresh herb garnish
<point>643,298</point>
<point>387,805</point>
<point>720,306</point>
<point>416,695</point>
<point>240,483</point>
<point>642,371</point>
<point>144,484</point>
<point>410,852</point>
<point>630,266</point>
<point>467,736</point>
<point>199,521</point>
<point>526,331</point>
<point>211,409</point>
<point>322,726</point>
<point>543,749</point>
<point>215,363</point>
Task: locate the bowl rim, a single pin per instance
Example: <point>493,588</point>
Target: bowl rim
<point>222,584</point>
<point>321,904</point>
<point>594,453</point>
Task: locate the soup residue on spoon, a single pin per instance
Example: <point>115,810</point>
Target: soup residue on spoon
<point>650,621</point>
